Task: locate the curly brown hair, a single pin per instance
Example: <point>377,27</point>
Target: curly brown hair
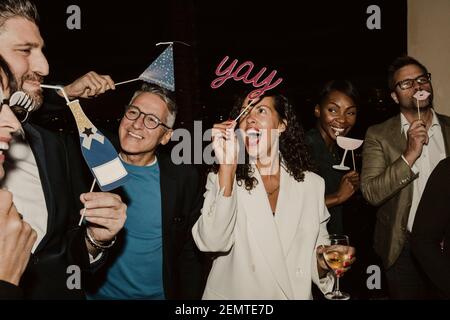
<point>294,155</point>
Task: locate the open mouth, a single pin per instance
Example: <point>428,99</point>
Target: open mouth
<point>3,147</point>
<point>253,136</point>
<point>337,131</point>
<point>135,135</point>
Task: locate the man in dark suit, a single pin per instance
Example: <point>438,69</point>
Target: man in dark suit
<point>398,157</point>
<point>42,173</point>
<point>430,238</point>
<point>155,257</point>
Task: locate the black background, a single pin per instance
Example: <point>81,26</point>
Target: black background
<point>307,42</point>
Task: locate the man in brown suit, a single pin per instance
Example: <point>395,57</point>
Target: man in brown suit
<point>398,157</point>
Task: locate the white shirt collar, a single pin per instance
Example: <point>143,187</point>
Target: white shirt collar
<point>147,165</point>
<point>405,124</point>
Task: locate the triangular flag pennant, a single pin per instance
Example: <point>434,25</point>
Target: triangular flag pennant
<point>161,71</point>
<point>100,155</point>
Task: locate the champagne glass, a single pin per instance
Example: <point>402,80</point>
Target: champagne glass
<point>335,254</point>
<point>341,166</point>
<point>347,144</point>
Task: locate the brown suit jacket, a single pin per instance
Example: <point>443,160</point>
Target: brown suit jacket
<point>386,182</point>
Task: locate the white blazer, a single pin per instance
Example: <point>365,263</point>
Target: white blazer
<point>262,256</point>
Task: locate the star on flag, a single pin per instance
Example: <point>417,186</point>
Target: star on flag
<point>90,134</point>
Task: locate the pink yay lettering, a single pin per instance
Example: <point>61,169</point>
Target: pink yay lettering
<point>243,73</point>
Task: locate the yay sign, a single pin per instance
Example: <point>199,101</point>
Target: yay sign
<point>243,72</point>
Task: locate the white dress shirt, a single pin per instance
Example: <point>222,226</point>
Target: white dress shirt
<point>23,181</point>
<point>432,154</point>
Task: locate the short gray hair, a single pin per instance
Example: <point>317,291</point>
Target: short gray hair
<point>18,8</point>
<point>165,96</point>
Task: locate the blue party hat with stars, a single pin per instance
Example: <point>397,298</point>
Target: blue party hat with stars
<point>161,71</point>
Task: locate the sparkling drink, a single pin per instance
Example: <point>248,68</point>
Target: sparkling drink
<point>334,258</point>
<point>335,254</point>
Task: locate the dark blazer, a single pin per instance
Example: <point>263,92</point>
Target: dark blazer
<point>63,245</point>
<point>432,226</point>
<point>184,270</point>
<point>386,181</point>
<point>8,291</point>
<point>182,199</point>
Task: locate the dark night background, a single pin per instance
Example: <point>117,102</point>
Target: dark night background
<point>306,42</point>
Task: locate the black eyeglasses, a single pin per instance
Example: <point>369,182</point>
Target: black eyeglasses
<point>20,104</point>
<point>20,113</point>
<point>409,83</point>
<point>150,120</point>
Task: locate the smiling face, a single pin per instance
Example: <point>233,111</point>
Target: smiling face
<point>8,125</point>
<point>336,116</point>
<point>21,46</point>
<point>405,98</point>
<point>261,127</point>
<point>8,122</point>
<point>138,143</point>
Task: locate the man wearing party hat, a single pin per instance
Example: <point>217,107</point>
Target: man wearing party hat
<point>155,258</point>
<point>42,175</point>
<point>398,157</point>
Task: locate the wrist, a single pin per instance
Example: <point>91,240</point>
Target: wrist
<point>226,178</point>
<point>321,269</point>
<point>331,200</point>
<point>338,198</point>
<point>410,159</point>
<point>227,169</point>
<point>12,279</point>
<point>322,272</point>
<point>99,245</point>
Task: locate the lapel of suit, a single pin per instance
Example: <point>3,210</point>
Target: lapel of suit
<point>168,196</point>
<point>397,136</point>
<point>262,224</point>
<point>445,133</point>
<point>168,200</point>
<point>287,215</point>
<point>38,148</point>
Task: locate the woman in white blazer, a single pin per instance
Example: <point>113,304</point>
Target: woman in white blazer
<point>264,217</point>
